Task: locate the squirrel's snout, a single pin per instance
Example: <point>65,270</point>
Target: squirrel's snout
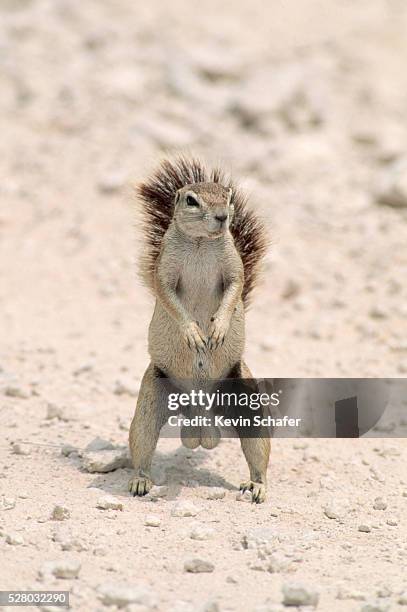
<point>221,218</point>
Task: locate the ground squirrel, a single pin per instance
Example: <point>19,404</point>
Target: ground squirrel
<point>203,247</point>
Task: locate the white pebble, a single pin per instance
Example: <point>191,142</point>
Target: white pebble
<point>184,508</point>
<point>15,539</point>
<point>7,503</point>
<point>152,520</point>
<point>61,569</point>
<point>108,502</point>
<point>20,449</point>
<point>121,595</point>
<point>157,492</point>
<point>60,513</point>
<point>402,600</point>
<point>244,496</point>
<point>379,504</point>
<point>299,595</point>
<point>198,566</point>
<point>215,493</point>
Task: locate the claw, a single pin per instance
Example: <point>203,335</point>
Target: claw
<point>257,489</point>
<point>139,485</point>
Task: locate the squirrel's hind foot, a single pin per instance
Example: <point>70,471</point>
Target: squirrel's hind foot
<point>140,485</point>
<point>258,490</point>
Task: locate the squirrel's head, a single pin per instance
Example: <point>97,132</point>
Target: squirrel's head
<point>203,210</point>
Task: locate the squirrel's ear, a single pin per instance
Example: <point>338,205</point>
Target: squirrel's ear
<point>230,195</point>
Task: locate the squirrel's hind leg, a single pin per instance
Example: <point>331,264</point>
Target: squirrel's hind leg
<point>255,450</point>
<point>145,428</point>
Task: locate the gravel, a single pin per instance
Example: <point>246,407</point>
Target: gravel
<point>15,539</point>
<point>202,532</point>
<point>299,595</point>
<point>60,513</point>
<point>106,461</point>
<point>109,502</point>
<point>198,566</point>
<point>64,568</point>
<point>152,520</point>
<point>122,594</point>
<point>184,508</point>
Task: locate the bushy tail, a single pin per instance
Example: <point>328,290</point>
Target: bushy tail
<point>157,198</point>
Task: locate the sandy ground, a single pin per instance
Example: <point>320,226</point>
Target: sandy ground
<point>307,107</point>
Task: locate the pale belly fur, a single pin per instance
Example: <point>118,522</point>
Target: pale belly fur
<point>200,291</point>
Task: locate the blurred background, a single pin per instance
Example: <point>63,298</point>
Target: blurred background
<point>307,108</point>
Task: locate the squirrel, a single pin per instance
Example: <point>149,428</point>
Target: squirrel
<point>201,257</point>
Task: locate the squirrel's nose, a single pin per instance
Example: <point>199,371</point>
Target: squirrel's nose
<point>221,218</point>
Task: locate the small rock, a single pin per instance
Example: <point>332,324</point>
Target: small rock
<point>184,508</point>
<point>99,444</point>
<point>20,449</point>
<point>365,528</point>
<point>384,591</point>
<point>86,367</point>
<point>291,289</point>
<point>344,593</point>
<point>377,312</point>
<point>157,492</point>
<point>210,606</point>
<point>56,412</point>
<point>60,513</point>
<point>392,522</point>
<point>15,539</point>
<point>7,503</point>
<point>61,569</point>
<point>379,504</point>
<point>121,595</point>
<point>334,510</point>
<point>152,520</point>
<point>299,595</point>
<point>74,544</point>
<point>106,461</point>
<point>377,475</point>
<point>392,188</point>
<point>108,502</point>
<point>198,566</point>
<point>202,532</point>
<point>244,496</point>
<point>326,482</point>
<point>402,600</point>
<point>16,391</point>
<point>257,538</point>
<point>67,450</point>
<point>215,493</point>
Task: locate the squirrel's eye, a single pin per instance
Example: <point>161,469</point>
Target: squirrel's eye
<point>191,201</point>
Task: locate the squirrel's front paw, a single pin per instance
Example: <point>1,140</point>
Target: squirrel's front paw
<point>193,336</point>
<point>217,332</point>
